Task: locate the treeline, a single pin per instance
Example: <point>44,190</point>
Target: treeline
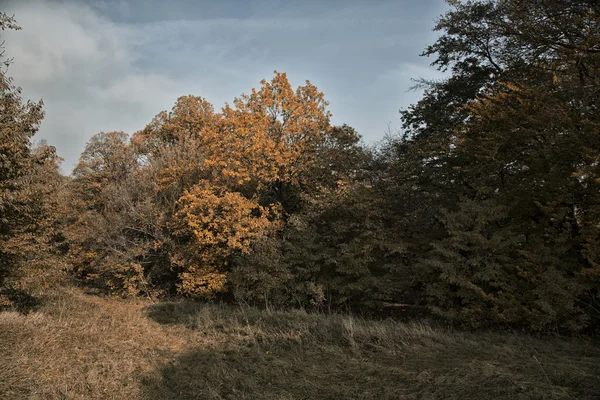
<point>486,209</point>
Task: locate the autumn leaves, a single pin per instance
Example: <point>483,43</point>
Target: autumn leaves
<point>207,182</point>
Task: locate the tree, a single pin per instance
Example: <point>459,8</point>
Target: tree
<point>107,158</point>
<point>98,248</point>
<point>19,122</point>
<point>196,189</point>
<point>257,159</point>
<point>336,249</point>
<point>524,150</point>
<point>223,225</point>
<point>500,156</point>
<point>188,118</point>
<point>29,179</point>
<point>490,41</point>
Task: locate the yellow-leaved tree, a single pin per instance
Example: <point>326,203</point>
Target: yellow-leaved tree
<point>223,224</point>
<point>196,189</point>
<point>253,154</point>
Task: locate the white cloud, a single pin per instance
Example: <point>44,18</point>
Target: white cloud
<point>58,39</point>
<point>83,66</point>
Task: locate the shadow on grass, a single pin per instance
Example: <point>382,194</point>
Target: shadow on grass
<point>274,371</point>
<point>257,354</point>
<point>19,300</point>
<point>284,370</point>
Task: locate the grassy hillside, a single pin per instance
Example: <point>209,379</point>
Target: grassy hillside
<point>82,346</point>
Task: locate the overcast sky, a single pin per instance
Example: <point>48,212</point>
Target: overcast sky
<point>102,65</point>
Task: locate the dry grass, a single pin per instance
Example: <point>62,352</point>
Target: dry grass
<point>78,346</point>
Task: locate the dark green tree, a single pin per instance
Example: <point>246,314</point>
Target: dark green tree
<point>502,159</point>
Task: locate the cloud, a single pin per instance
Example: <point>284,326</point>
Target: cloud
<point>84,67</point>
<point>58,40</point>
<point>146,90</point>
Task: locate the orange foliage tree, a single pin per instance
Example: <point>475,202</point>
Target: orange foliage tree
<point>267,140</point>
<point>223,224</point>
<point>198,188</point>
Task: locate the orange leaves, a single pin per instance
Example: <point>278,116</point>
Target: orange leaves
<point>270,135</point>
<point>209,184</point>
<point>223,224</point>
<point>202,282</point>
<point>273,133</point>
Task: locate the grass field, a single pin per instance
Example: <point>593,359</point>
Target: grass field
<point>83,346</point>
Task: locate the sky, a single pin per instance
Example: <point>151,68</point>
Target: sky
<point>105,65</point>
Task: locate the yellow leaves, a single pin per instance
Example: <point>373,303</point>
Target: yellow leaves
<point>271,134</point>
<point>203,176</point>
<point>202,282</point>
<point>223,223</point>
